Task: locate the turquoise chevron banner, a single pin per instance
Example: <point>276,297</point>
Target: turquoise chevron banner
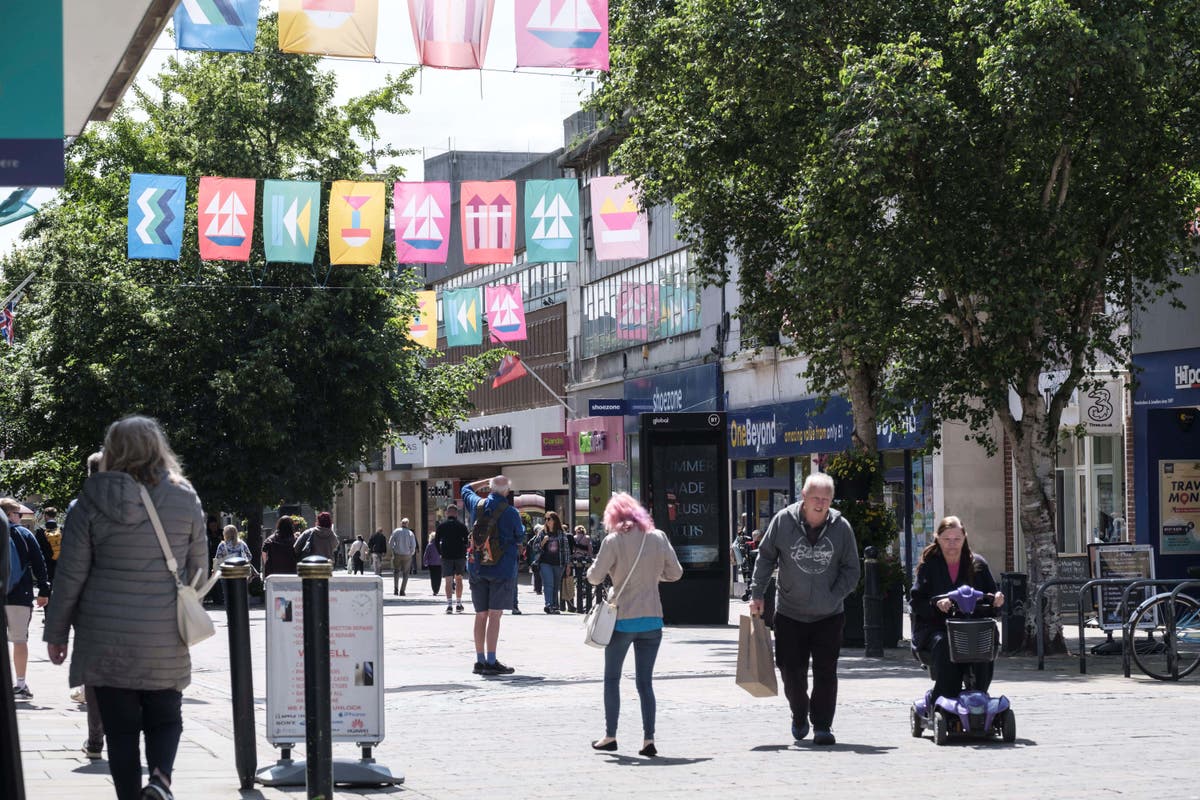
<point>551,221</point>
<point>156,215</point>
<point>462,314</point>
<point>291,210</point>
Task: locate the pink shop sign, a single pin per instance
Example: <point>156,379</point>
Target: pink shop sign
<point>595,440</point>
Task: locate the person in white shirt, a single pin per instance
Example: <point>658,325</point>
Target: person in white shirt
<point>403,544</point>
<point>358,549</point>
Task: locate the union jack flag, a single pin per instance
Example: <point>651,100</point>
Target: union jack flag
<point>8,322</point>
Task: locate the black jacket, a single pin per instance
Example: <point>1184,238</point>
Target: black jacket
<point>933,579</point>
<point>451,538</point>
<point>377,543</point>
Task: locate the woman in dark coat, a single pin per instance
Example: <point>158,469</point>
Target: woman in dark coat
<point>279,549</point>
<point>944,566</point>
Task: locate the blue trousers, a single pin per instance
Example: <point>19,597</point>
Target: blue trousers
<point>551,584</point>
<point>645,651</point>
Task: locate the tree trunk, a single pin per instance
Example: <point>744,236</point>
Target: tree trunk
<point>860,382</point>
<point>254,537</point>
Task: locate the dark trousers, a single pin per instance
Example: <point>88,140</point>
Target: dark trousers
<point>127,713</point>
<point>435,577</point>
<point>948,676</point>
<point>95,723</point>
<point>795,643</point>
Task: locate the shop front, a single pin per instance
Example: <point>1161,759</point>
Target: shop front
<point>594,446</point>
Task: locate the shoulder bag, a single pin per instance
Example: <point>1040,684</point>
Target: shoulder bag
<point>194,623</point>
<point>602,619</point>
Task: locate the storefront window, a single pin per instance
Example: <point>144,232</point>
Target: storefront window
<point>1090,489</point>
<point>654,300</point>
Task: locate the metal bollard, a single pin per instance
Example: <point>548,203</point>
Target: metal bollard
<point>234,574</point>
<point>315,573</point>
<point>12,780</point>
<point>872,605</point>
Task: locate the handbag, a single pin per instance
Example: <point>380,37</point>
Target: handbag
<point>602,619</point>
<point>194,623</point>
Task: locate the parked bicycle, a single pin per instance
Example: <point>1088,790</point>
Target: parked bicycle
<point>1176,653</point>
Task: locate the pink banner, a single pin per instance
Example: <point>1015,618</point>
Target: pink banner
<point>619,225</point>
<point>505,313</point>
<point>637,311</point>
<point>451,34</point>
<point>225,207</point>
<point>422,222</point>
<point>562,33</point>
<point>488,210</point>
<point>595,440</point>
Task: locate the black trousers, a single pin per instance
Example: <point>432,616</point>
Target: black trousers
<point>796,643</point>
<point>435,577</point>
<point>948,676</point>
<point>127,713</point>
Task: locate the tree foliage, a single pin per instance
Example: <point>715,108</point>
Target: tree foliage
<point>273,381</point>
<point>943,199</point>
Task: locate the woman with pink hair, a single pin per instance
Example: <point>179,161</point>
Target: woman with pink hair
<point>637,557</point>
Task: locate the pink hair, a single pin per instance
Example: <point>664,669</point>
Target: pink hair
<point>623,514</point>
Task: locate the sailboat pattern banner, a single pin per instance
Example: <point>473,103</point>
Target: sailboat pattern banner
<point>461,314</point>
<point>551,221</point>
<point>451,34</point>
<point>291,212</point>
<point>505,313</point>
<point>329,27</point>
<point>224,25</point>
<point>488,221</point>
<point>156,216</point>
<point>562,33</point>
<point>620,227</point>
<point>226,218</point>
<point>356,222</point>
<point>422,222</point>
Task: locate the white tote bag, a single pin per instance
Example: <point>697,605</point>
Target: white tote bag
<point>602,619</point>
<point>194,623</point>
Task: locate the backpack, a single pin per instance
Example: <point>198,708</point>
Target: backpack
<point>485,534</point>
<point>54,537</point>
<point>16,565</point>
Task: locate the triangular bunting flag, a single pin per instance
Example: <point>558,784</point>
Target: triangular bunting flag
<point>329,27</point>
<point>451,34</point>
<point>356,222</point>
<point>423,328</point>
<point>509,369</point>
<point>488,210</point>
<point>225,207</point>
<point>224,25</point>
<point>562,33</point>
<point>156,216</point>
<point>422,222</point>
<point>505,313</point>
<point>551,221</point>
<point>462,316</point>
<point>291,212</point>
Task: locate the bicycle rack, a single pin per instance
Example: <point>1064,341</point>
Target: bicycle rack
<point>1089,585</point>
<point>1128,635</point>
<point>1038,600</point>
<point>1172,661</point>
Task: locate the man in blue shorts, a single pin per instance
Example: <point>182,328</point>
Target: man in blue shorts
<point>493,580</point>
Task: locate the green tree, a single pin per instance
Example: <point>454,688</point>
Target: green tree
<point>273,381</point>
<point>940,200</point>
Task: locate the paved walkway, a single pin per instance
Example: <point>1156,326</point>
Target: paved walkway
<point>457,735</point>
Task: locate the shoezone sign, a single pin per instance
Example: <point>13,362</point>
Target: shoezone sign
<point>355,659</point>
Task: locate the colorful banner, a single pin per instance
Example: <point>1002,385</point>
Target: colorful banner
<point>223,25</point>
<point>291,212</point>
<point>17,206</point>
<point>637,311</point>
<point>551,221</point>
<point>488,221</point>
<point>422,222</point>
<point>1179,507</point>
<point>31,93</point>
<point>678,311</point>
<point>562,33</point>
<point>422,329</point>
<point>156,216</point>
<point>8,323</point>
<point>505,313</point>
<point>462,316</point>
<point>329,27</point>
<point>225,207</point>
<point>356,222</point>
<point>620,226</point>
<point>451,34</point>
<point>509,370</point>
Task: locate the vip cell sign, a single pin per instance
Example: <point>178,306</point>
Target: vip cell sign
<point>1179,507</point>
<point>355,659</point>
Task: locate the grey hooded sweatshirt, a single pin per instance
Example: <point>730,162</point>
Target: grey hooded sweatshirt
<point>813,579</point>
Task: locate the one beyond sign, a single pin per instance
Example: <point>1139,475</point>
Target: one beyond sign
<point>355,659</point>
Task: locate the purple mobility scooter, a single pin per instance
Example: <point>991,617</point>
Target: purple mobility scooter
<point>972,640</point>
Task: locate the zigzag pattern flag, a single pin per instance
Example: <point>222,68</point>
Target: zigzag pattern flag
<point>225,207</point>
<point>290,217</point>
<point>488,210</point>
<point>462,317</point>
<point>422,222</point>
<point>551,221</point>
<point>224,25</point>
<point>329,27</point>
<point>422,329</point>
<point>451,34</point>
<point>562,33</point>
<point>506,313</point>
<point>156,216</point>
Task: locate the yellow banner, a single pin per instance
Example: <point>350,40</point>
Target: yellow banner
<point>329,27</point>
<point>423,327</point>
<point>356,222</point>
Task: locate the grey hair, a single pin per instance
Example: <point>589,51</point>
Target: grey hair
<point>230,533</point>
<point>500,484</point>
<point>137,445</point>
<point>95,462</point>
<point>818,480</point>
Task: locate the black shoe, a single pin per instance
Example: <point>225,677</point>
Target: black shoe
<point>449,609</point>
<point>402,594</point>
<point>548,610</point>
<point>480,668</point>
<point>824,738</point>
<point>154,790</point>
<point>517,612</point>
<point>610,747</point>
<point>459,608</point>
<point>799,730</point>
<point>496,668</point>
<point>650,751</point>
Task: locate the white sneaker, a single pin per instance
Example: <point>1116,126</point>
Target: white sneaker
<point>77,696</point>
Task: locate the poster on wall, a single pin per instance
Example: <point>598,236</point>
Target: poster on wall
<point>927,498</point>
<point>1179,507</point>
<point>1134,561</point>
<point>918,514</point>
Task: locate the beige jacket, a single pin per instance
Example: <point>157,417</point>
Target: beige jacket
<point>658,563</point>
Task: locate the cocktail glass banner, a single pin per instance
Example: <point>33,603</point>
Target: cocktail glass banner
<point>423,327</point>
<point>356,222</point>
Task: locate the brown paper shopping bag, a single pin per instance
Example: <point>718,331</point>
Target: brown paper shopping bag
<point>755,665</point>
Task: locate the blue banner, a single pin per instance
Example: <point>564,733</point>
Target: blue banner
<point>223,25</point>
<point>802,427</point>
<point>606,408</point>
<point>156,216</point>
<point>1167,379</point>
<point>692,389</point>
<point>31,94</point>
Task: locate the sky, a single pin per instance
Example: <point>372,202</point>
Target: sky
<point>497,108</point>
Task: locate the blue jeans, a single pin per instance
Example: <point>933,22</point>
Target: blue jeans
<point>551,583</point>
<point>645,651</point>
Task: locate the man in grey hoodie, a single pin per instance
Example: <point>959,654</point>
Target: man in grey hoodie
<point>814,547</point>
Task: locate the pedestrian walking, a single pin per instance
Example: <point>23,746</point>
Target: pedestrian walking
<point>377,544</point>
<point>356,553</point>
<point>231,546</point>
<point>93,746</point>
<point>492,567</point>
<point>555,548</point>
<point>127,643</point>
<point>814,547</point>
<point>451,538</point>
<point>279,549</point>
<point>320,540</point>
<point>403,544</point>
<point>49,539</point>
<point>433,562</point>
<point>637,557</point>
<point>18,603</point>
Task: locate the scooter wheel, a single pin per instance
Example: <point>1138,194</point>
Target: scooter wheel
<point>1008,726</point>
<point>914,721</point>
<point>941,729</point>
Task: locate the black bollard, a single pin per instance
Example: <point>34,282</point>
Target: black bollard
<point>315,572</point>
<point>872,605</point>
<point>12,780</point>
<point>234,574</point>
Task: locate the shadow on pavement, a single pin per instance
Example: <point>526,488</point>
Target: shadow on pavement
<point>657,761</point>
<point>97,767</point>
<point>840,747</point>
